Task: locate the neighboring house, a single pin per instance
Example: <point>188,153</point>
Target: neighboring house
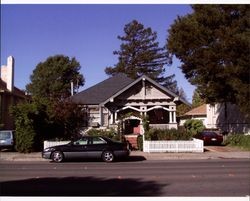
<point>199,113</point>
<point>121,98</point>
<point>227,117</point>
<point>215,116</point>
<point>9,94</point>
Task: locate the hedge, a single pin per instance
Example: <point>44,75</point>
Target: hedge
<point>238,140</point>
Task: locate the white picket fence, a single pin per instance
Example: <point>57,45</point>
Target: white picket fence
<point>194,145</point>
<point>47,144</point>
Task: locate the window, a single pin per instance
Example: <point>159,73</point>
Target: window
<point>83,141</point>
<point>97,140</point>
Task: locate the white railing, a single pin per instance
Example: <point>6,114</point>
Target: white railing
<point>47,144</point>
<point>194,145</point>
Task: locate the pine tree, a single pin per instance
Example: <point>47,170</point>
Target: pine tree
<point>140,54</point>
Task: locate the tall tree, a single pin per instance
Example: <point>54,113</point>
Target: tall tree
<point>52,79</point>
<point>196,99</point>
<point>213,44</point>
<point>140,54</point>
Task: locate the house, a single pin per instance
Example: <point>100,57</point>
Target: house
<point>199,113</point>
<point>9,94</point>
<point>227,118</point>
<point>224,117</point>
<point>120,99</point>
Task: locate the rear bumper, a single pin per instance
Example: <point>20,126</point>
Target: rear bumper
<point>6,146</point>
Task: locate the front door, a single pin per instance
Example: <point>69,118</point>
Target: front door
<point>78,149</point>
<point>96,147</point>
<point>132,126</point>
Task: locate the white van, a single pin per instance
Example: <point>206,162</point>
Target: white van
<point>6,139</point>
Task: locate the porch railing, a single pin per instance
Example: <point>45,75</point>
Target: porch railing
<point>194,145</point>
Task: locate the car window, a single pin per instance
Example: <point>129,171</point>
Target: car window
<point>209,134</point>
<point>82,141</point>
<point>97,140</point>
<point>4,135</point>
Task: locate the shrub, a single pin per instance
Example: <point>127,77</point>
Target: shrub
<point>194,126</point>
<point>239,140</point>
<point>140,142</point>
<point>26,139</point>
<point>167,134</point>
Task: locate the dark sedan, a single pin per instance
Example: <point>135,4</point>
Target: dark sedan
<point>88,147</point>
<point>210,138</point>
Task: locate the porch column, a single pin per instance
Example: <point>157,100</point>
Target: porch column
<point>115,116</point>
<point>101,116</point>
<point>174,117</point>
<point>111,117</point>
<point>170,117</point>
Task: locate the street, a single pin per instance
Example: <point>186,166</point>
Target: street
<point>229,177</point>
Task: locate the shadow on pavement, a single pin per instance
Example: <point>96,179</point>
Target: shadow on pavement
<point>129,159</point>
<point>80,186</point>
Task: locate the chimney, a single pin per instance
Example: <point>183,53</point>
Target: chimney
<point>7,73</point>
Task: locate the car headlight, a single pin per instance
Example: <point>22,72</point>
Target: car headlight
<point>48,149</point>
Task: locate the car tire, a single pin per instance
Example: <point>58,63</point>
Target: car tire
<point>108,156</point>
<point>57,156</point>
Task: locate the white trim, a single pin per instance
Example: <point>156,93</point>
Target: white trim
<point>157,107</point>
<point>132,117</point>
<point>128,107</point>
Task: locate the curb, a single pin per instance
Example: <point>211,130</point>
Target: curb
<point>13,156</point>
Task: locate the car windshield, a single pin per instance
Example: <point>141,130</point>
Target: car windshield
<point>209,134</point>
<point>4,135</point>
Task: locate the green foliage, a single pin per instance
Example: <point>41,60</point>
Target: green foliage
<point>167,134</point>
<point>51,80</point>
<point>140,142</point>
<point>110,133</point>
<point>50,115</point>
<point>238,140</point>
<point>26,136</point>
<point>194,126</point>
<point>212,44</point>
<point>182,109</point>
<point>140,54</point>
<point>145,123</point>
<point>197,100</point>
<point>70,117</point>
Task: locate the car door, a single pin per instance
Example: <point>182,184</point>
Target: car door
<point>77,149</point>
<point>96,146</point>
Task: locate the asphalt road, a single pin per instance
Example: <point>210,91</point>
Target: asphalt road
<point>134,178</point>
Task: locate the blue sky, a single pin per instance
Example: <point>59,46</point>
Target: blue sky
<point>32,33</point>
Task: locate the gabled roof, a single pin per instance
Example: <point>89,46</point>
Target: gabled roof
<point>112,87</point>
<point>198,111</point>
<point>154,83</point>
<point>102,91</point>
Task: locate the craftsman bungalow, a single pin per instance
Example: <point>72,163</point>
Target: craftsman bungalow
<point>122,98</point>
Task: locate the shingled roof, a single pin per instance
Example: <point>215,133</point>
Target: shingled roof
<point>102,91</point>
<point>201,110</point>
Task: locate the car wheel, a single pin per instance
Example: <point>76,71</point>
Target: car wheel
<point>108,156</point>
<point>57,156</point>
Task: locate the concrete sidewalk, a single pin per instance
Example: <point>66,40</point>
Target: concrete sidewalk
<point>210,153</point>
